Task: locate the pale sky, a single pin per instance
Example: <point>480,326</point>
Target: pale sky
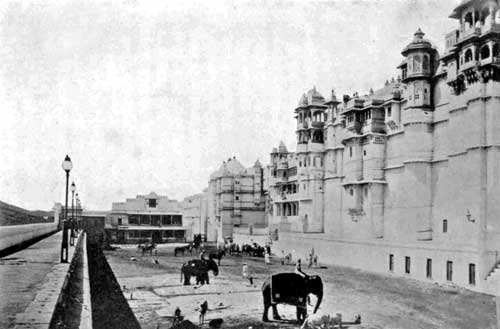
<point>154,95</point>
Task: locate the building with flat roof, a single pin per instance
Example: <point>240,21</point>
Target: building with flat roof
<point>146,218</point>
<point>404,179</point>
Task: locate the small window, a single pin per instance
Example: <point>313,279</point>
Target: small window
<point>152,203</point>
<point>472,274</point>
<point>485,52</point>
<point>445,225</point>
<point>449,271</point>
<point>237,198</point>
<point>389,112</point>
<point>391,262</point>
<point>428,268</point>
<point>350,152</point>
<point>119,221</point>
<point>364,152</point>
<point>351,192</point>
<point>468,55</point>
<point>366,191</point>
<point>407,264</point>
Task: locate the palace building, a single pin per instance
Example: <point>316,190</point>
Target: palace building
<point>235,201</point>
<point>406,179</point>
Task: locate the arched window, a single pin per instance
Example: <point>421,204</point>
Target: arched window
<point>468,55</point>
<point>485,52</point>
<point>417,63</point>
<point>425,63</point>
<point>485,13</point>
<point>468,23</point>
<point>496,49</point>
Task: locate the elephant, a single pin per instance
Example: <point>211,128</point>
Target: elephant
<point>292,289</point>
<point>198,268</point>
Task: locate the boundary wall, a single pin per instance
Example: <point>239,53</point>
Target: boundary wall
<point>374,256</point>
<point>15,235</point>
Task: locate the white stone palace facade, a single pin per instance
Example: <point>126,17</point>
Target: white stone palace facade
<point>406,179</point>
<point>235,201</point>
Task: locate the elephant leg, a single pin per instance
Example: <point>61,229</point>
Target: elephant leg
<point>276,315</point>
<point>266,309</point>
<point>301,313</point>
<point>206,277</point>
<point>187,279</point>
<point>266,297</point>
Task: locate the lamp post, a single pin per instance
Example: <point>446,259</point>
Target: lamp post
<point>67,165</point>
<point>77,201</point>
<point>72,221</point>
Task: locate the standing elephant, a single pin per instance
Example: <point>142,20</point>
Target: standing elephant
<point>199,269</point>
<point>292,289</point>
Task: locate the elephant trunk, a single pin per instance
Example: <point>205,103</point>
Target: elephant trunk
<point>318,303</point>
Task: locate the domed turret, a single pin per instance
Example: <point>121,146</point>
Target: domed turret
<point>314,97</point>
<point>282,148</point>
<point>417,70</point>
<point>303,101</point>
<point>418,43</point>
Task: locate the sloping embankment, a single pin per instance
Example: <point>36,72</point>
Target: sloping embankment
<point>110,309</point>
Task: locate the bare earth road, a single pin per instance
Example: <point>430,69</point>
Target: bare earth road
<point>383,301</point>
<point>23,274</point>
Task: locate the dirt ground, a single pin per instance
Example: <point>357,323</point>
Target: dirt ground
<point>383,301</point>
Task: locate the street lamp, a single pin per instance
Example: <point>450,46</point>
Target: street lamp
<point>67,166</point>
<point>77,201</point>
<point>72,221</point>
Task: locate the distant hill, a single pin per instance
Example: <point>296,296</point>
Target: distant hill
<point>13,215</point>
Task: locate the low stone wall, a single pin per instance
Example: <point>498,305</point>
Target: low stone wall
<point>68,310</point>
<point>12,236</point>
<point>248,239</point>
<point>47,310</point>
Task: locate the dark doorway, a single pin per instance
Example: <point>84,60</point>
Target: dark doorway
<point>472,274</point>
<point>449,270</point>
<point>120,237</point>
<point>156,236</point>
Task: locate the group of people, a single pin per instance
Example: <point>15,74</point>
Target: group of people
<point>312,259</point>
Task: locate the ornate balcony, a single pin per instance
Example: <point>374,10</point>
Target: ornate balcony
<point>469,33</point>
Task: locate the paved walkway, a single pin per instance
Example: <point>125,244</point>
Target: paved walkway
<point>30,283</point>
